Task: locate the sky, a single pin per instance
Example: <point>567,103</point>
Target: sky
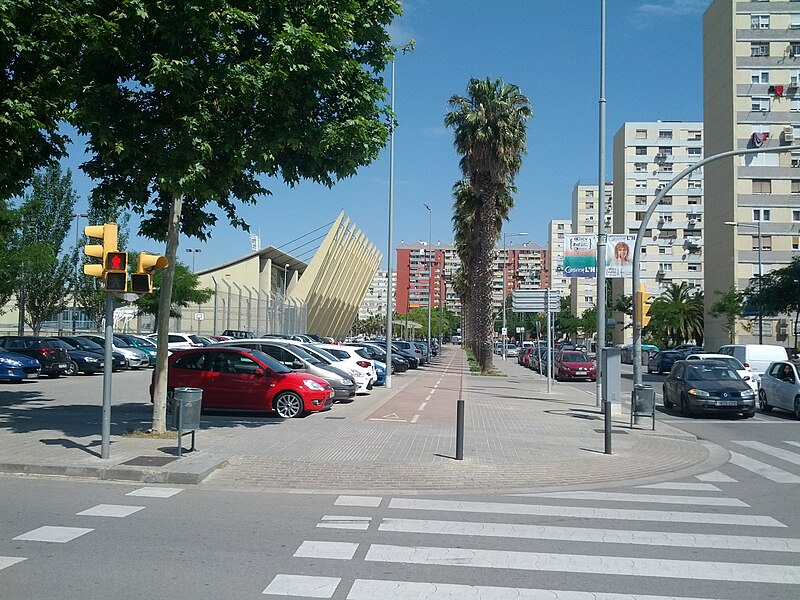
<point>551,50</point>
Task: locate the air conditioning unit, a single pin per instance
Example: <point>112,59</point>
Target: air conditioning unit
<point>692,221</point>
<point>788,135</point>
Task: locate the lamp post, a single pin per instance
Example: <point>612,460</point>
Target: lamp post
<point>757,225</point>
<point>75,287</point>
<point>505,285</point>
<point>285,280</point>
<point>193,252</point>
<point>430,274</point>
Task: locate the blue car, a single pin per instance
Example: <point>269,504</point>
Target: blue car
<point>380,373</point>
<point>661,362</point>
<point>16,367</point>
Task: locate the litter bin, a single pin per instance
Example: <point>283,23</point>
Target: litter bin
<point>643,403</point>
<point>186,404</point>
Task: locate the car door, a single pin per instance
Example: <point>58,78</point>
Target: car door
<point>196,370</point>
<point>784,385</point>
<point>672,384</point>
<point>230,387</point>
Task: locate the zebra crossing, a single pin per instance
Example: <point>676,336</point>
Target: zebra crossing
<point>690,539</point>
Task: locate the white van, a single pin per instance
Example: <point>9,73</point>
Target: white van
<point>755,357</point>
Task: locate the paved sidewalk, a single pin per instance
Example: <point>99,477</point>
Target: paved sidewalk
<point>517,437</point>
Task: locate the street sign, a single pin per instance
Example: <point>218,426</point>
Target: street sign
<point>520,330</point>
<point>535,301</point>
<point>505,331</point>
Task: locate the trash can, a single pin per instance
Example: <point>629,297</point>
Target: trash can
<point>643,403</point>
<point>186,405</point>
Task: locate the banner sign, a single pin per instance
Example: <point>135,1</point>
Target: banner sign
<point>619,255</point>
<point>580,255</point>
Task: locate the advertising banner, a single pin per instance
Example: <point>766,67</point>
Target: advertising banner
<point>580,255</point>
<point>619,255</point>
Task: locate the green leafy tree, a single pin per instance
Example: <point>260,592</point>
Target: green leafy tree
<point>188,104</point>
<point>489,126</point>
<point>677,316</point>
<point>8,264</point>
<point>729,306</point>
<point>38,51</point>
<point>45,270</point>
<point>566,324</point>
<point>185,292</point>
<point>778,293</point>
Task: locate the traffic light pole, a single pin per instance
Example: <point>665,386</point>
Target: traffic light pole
<point>105,448</point>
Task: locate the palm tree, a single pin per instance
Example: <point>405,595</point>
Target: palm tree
<point>489,130</point>
<point>678,315</point>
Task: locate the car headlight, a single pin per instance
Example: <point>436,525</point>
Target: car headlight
<point>346,381</point>
<point>312,385</point>
<point>90,359</point>
<point>748,394</point>
<point>12,363</point>
<point>699,393</point>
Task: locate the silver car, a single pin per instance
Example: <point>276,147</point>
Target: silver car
<point>780,388</point>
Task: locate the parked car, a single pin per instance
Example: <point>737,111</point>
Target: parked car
<point>733,363</point>
<point>756,357</point>
<point>143,344</point>
<point>410,348</point>
<point>179,341</point>
<point>16,367</point>
<point>53,358</point>
<point>81,361</point>
<point>408,355</point>
<point>572,364</point>
<point>238,334</point>
<point>707,386</point>
<point>780,388</point>
<point>240,379</point>
<point>512,351</point>
<point>378,354</point>
<point>82,343</point>
<point>426,351</point>
<point>661,362</point>
<point>134,358</point>
<point>358,361</point>
<point>294,356</point>
<point>380,373</point>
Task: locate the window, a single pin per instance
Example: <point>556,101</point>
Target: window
<point>588,299</point>
<point>693,267</point>
<point>665,150</point>
<point>759,76</point>
<point>691,201</point>
<point>761,214</point>
<point>796,243</point>
<point>766,242</point>
<point>639,215</point>
<point>759,21</point>
<point>794,105</point>
<point>665,250</point>
<point>666,200</point>
<point>665,266</point>
<point>762,186</point>
<point>561,236</point>
<point>759,48</point>
<point>794,21</point>
<point>589,205</point>
<point>694,152</point>
<point>693,216</point>
<point>641,200</point>
<point>795,216</point>
<point>695,185</point>
<point>759,104</point>
<point>590,193</point>
<point>560,226</point>
<point>794,49</point>
<point>640,183</point>
<point>796,186</point>
<point>695,136</point>
<point>641,134</point>
<point>640,167</point>
<point>795,159</point>
<point>589,229</point>
<point>641,150</point>
<point>665,218</point>
<point>666,168</point>
<point>665,134</point>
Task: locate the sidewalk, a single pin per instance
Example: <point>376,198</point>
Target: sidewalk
<point>517,437</point>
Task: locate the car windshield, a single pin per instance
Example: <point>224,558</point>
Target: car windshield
<point>576,358</point>
<point>273,364</point>
<point>54,343</point>
<point>85,344</point>
<point>144,342</point>
<point>716,372</point>
<point>321,354</point>
<point>304,355</point>
<point>120,343</point>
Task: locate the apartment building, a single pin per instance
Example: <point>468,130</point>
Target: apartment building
<point>555,248</point>
<point>647,156</point>
<point>416,264</point>
<point>585,214</point>
<point>751,64</point>
<point>375,299</point>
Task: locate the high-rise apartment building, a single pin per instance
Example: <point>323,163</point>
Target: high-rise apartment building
<point>585,213</point>
<point>555,247</point>
<point>375,299</point>
<point>646,158</point>
<point>751,84</point>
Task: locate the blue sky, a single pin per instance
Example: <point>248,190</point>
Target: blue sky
<point>550,49</point>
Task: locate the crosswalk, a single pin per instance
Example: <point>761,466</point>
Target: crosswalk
<point>689,539</point>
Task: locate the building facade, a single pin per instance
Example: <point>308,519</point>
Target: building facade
<point>751,64</point>
<point>555,248</point>
<point>375,300</point>
<point>585,214</point>
<point>646,158</point>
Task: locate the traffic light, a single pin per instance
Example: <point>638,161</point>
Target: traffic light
<point>142,281</point>
<point>108,235</point>
<point>641,306</point>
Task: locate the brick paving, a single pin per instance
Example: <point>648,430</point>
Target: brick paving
<point>517,437</point>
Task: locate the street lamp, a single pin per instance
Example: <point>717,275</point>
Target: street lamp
<point>285,280</point>
<point>757,225</point>
<point>430,274</point>
<point>505,285</point>
<point>193,252</point>
<point>75,287</point>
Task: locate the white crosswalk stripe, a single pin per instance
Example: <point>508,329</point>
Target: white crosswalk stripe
<point>772,451</point>
<point>765,470</point>
<point>458,545</point>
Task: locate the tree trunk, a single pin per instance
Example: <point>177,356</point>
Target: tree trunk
<point>162,319</point>
<point>482,283</point>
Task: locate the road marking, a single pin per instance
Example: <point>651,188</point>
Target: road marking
<point>155,492</point>
<point>343,522</point>
<point>336,550</point>
<point>389,420</point>
<point>793,443</point>
<point>759,468</point>
<point>414,419</point>
<point>370,589</point>
<point>591,535</point>
<point>716,477</point>
<point>7,561</point>
<point>617,514</point>
<point>59,535</point>
<point>110,510</point>
<point>582,563</point>
<point>646,498</point>
<point>422,406</point>
<point>772,451</point>
<point>675,485</point>
<point>369,501</point>
<point>302,586</point>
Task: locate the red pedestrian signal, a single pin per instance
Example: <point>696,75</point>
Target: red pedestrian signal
<point>116,261</point>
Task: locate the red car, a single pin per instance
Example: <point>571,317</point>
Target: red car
<point>572,364</point>
<point>239,379</point>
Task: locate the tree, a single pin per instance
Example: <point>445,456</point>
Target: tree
<point>729,306</point>
<point>677,316</point>
<point>37,52</point>
<point>8,263</point>
<point>566,324</point>
<point>45,271</point>
<point>489,126</point>
<point>778,292</point>
<point>185,292</point>
<point>188,104</point>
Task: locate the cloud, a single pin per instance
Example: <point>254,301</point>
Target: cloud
<point>671,8</point>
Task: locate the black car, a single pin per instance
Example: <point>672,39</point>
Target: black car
<point>708,386</point>
<point>399,364</point>
<point>87,345</point>
<point>48,351</point>
<point>81,361</point>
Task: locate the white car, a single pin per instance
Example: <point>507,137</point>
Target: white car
<point>179,341</point>
<point>357,362</point>
<point>751,378</point>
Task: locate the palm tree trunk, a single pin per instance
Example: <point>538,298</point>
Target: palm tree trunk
<point>482,283</point>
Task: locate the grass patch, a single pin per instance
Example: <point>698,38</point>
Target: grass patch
<point>475,368</point>
<point>149,434</point>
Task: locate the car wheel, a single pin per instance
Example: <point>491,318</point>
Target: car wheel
<point>288,405</point>
<point>797,407</point>
<point>660,370</point>
<point>393,369</point>
<point>72,368</point>
<point>667,403</point>
<point>762,401</point>
<point>749,413</point>
<point>685,406</point>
